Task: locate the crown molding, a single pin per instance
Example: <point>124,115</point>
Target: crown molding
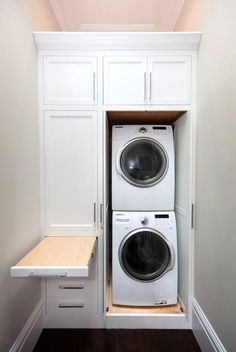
<point>117,40</point>
<point>117,27</point>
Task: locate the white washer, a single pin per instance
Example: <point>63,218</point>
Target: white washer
<point>144,258</point>
<point>142,167</point>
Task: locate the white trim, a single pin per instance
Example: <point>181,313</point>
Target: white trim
<point>117,40</point>
<point>146,321</point>
<point>204,332</point>
<point>29,335</point>
<point>117,27</point>
<point>181,211</point>
<point>181,304</point>
<point>50,271</point>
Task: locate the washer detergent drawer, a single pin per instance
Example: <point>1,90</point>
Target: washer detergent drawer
<point>58,256</point>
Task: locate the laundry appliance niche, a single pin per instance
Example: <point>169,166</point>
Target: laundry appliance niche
<point>181,123</point>
<point>89,82</point>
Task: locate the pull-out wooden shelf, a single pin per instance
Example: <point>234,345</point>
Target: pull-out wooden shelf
<point>58,256</point>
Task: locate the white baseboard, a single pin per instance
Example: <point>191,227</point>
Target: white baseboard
<point>151,321</point>
<point>29,335</point>
<point>204,332</point>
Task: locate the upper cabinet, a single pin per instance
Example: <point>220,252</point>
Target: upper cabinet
<point>124,80</point>
<point>169,80</point>
<point>70,80</point>
<point>147,80</point>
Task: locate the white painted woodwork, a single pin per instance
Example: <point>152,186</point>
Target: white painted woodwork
<point>70,171</point>
<point>58,256</point>
<point>124,80</point>
<point>147,80</point>
<point>70,80</point>
<point>169,79</point>
<point>75,143</point>
<point>71,307</point>
<point>72,287</point>
<point>114,42</point>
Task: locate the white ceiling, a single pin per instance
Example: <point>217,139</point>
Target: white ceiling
<point>117,15</point>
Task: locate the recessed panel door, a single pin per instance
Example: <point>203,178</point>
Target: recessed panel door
<point>169,80</point>
<point>70,171</point>
<point>70,80</point>
<point>124,80</point>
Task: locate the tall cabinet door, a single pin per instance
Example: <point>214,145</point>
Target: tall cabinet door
<point>124,80</point>
<point>70,172</point>
<point>169,80</point>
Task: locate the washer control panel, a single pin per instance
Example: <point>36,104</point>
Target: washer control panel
<point>166,220</point>
<point>133,220</point>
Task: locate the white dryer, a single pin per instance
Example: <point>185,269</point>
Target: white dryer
<point>143,174</point>
<point>144,258</point>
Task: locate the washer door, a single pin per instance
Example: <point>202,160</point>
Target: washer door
<point>143,162</point>
<point>146,255</point>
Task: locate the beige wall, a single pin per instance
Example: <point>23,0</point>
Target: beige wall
<point>19,159</point>
<point>215,240</point>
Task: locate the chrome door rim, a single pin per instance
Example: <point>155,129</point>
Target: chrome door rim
<point>169,245</point>
<point>120,172</point>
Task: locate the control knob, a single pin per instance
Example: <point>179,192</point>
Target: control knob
<point>142,130</point>
<point>144,221</point>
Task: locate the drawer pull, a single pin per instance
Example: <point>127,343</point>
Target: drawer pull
<point>74,287</point>
<point>64,305</point>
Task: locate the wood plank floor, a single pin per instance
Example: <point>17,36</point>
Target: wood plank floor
<point>116,340</point>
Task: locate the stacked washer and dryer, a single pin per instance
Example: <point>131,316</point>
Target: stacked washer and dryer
<point>144,239</point>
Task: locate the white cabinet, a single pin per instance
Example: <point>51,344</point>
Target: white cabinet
<point>124,80</point>
<point>169,80</point>
<point>147,80</point>
<point>71,159</point>
<point>70,80</point>
<point>72,297</point>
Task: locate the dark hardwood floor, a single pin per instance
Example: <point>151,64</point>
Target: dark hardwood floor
<point>116,340</point>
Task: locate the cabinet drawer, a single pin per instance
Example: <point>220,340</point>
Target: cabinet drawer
<point>71,288</point>
<point>71,306</point>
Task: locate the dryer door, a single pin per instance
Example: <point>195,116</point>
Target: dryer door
<point>143,162</point>
<point>146,255</point>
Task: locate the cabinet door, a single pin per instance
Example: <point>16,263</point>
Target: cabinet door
<point>70,80</point>
<point>169,80</point>
<point>124,80</point>
<point>70,171</point>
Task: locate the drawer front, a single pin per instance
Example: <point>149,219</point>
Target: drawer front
<point>71,307</point>
<point>71,288</point>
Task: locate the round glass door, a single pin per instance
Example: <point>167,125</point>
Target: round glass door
<point>145,255</point>
<point>143,162</point>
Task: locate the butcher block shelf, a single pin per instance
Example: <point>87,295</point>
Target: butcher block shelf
<point>58,256</point>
